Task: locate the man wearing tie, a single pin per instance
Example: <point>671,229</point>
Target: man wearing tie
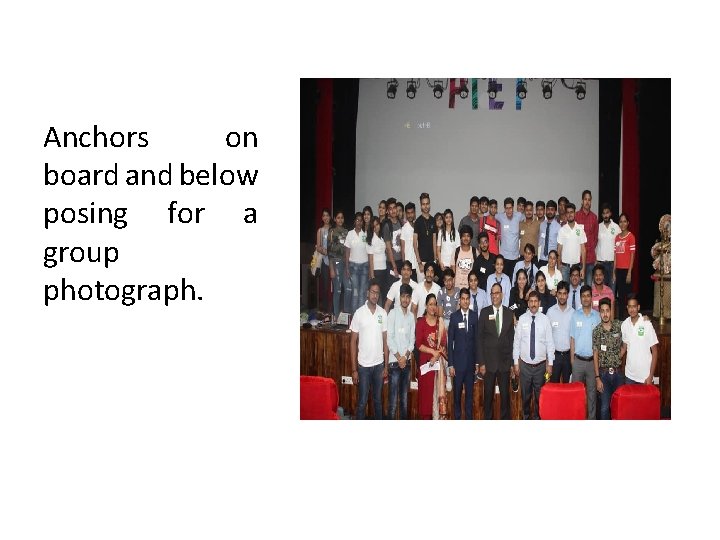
<point>533,353</point>
<point>461,353</point>
<point>494,344</point>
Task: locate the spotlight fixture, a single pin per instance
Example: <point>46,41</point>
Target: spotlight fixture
<point>580,90</point>
<point>412,87</point>
<point>492,89</point>
<point>547,87</point>
<point>521,89</point>
<point>392,87</point>
<point>438,86</point>
<point>464,89</point>
<point>437,90</point>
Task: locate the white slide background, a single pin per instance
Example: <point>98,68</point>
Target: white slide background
<point>182,422</point>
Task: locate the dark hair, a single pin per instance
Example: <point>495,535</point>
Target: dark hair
<point>527,280</point>
<point>484,199</point>
<point>493,201</point>
<point>428,298</point>
<point>336,214</point>
<point>570,205</point>
<point>563,199</point>
<point>410,206</point>
<point>448,272</point>
<point>530,247</point>
<point>436,216</point>
<point>605,206</point>
<point>551,252</point>
<point>604,302</point>
<point>423,195</point>
<point>586,192</point>
<point>521,200</point>
<point>474,273</point>
<point>551,204</point>
<point>465,229</point>
<point>321,214</point>
<point>400,205</point>
<point>390,201</point>
<point>359,215</point>
<point>539,274</point>
<point>539,204</point>
<point>575,267</point>
<point>585,288</point>
<point>371,229</point>
<point>632,296</point>
<point>465,290</point>
<point>475,199</point>
<point>372,282</point>
<point>626,217</point>
<point>496,284</point>
<point>508,200</point>
<point>406,263</point>
<point>483,235</point>
<point>529,203</point>
<point>383,202</point>
<point>452,226</point>
<point>405,289</point>
<point>600,267</point>
<point>367,209</point>
<point>501,257</point>
<point>564,285</point>
<point>533,294</point>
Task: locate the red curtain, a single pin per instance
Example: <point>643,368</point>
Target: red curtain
<point>323,145</point>
<point>631,166</point>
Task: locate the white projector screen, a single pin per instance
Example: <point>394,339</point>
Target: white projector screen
<point>546,149</point>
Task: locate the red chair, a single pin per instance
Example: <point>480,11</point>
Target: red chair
<point>560,401</point>
<point>318,398</point>
<point>635,402</point>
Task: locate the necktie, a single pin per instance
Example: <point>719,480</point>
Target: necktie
<point>475,307</point>
<point>573,304</point>
<point>465,322</point>
<point>497,321</point>
<point>547,240</point>
<point>532,339</point>
<point>531,273</point>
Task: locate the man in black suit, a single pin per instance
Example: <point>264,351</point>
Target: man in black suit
<point>461,353</point>
<point>494,344</point>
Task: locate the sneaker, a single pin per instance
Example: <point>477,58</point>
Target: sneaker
<point>515,385</point>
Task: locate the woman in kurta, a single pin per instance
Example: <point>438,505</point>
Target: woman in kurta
<point>431,341</point>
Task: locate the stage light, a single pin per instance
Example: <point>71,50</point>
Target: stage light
<point>521,89</point>
<point>580,90</point>
<point>392,86</point>
<point>492,89</point>
<point>412,87</point>
<point>437,91</point>
<point>547,88</point>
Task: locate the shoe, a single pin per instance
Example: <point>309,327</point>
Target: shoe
<point>515,385</point>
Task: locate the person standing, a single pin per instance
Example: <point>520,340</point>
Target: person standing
<point>624,260</point>
<point>530,228</point>
<point>369,352</point>
<point>549,229</point>
<point>501,279</point>
<point>339,273</point>
<point>562,206</point>
<point>465,256</point>
<point>472,220</point>
<point>588,220</point>
<point>407,245</point>
<point>600,290</point>
<point>391,236</point>
<point>551,272</point>
<point>449,296</point>
<point>571,244</point>
<point>639,335</point>
<point>321,246</point>
<point>608,350</point>
<point>356,258</point>
<point>495,334</point>
<point>582,324</point>
<point>431,342</point>
<point>526,263</point>
<point>393,295</point>
<point>461,353</point>
<point>560,316</point>
<point>490,225</point>
<point>484,264</point>
<point>533,354</point>
<point>478,297</point>
<point>447,241</point>
<point>605,251</point>
<point>377,258</point>
<point>401,344</point>
<point>424,237</point>
<point>509,236</point>
<point>574,288</point>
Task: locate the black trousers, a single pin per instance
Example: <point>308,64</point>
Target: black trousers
<point>503,381</point>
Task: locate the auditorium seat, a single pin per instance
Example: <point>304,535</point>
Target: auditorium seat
<point>635,402</point>
<point>318,398</point>
<point>560,401</point>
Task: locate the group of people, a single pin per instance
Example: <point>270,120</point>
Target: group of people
<point>511,298</point>
<point>531,246</point>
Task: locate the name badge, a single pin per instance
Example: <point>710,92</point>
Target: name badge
<point>514,306</point>
<point>641,331</point>
<point>555,324</point>
<point>341,240</point>
<point>525,326</point>
<point>577,232</point>
<point>461,325</point>
<point>540,309</point>
<point>482,269</point>
<point>506,226</point>
<point>578,324</point>
<point>616,335</point>
<point>542,235</point>
<point>401,330</point>
<point>491,317</point>
<point>603,348</point>
<point>596,302</point>
<point>522,233</point>
<point>379,319</point>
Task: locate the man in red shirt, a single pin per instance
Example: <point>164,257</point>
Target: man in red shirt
<point>490,225</point>
<point>589,221</point>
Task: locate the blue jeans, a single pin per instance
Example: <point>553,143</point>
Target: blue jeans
<point>610,384</point>
<point>359,278</point>
<point>630,381</point>
<point>370,376</point>
<point>339,282</point>
<point>399,381</point>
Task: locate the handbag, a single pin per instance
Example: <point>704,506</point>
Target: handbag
<point>315,263</point>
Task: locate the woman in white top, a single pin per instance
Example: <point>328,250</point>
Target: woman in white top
<point>321,245</point>
<point>553,275</point>
<point>447,242</point>
<point>377,257</point>
<point>356,258</point>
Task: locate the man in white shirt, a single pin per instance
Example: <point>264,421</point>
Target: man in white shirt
<point>571,245</point>
<point>369,351</point>
<point>605,250</point>
<point>393,296</point>
<point>421,291</point>
<point>639,335</point>
<point>407,234</point>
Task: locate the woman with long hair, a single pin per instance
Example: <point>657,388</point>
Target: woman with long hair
<point>321,246</point>
<point>382,211</point>
<point>518,294</point>
<point>624,261</point>
<point>377,257</point>
<point>553,275</point>
<point>431,341</point>
<point>447,242</point>
<point>367,216</point>
<point>547,300</point>
<point>339,273</point>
